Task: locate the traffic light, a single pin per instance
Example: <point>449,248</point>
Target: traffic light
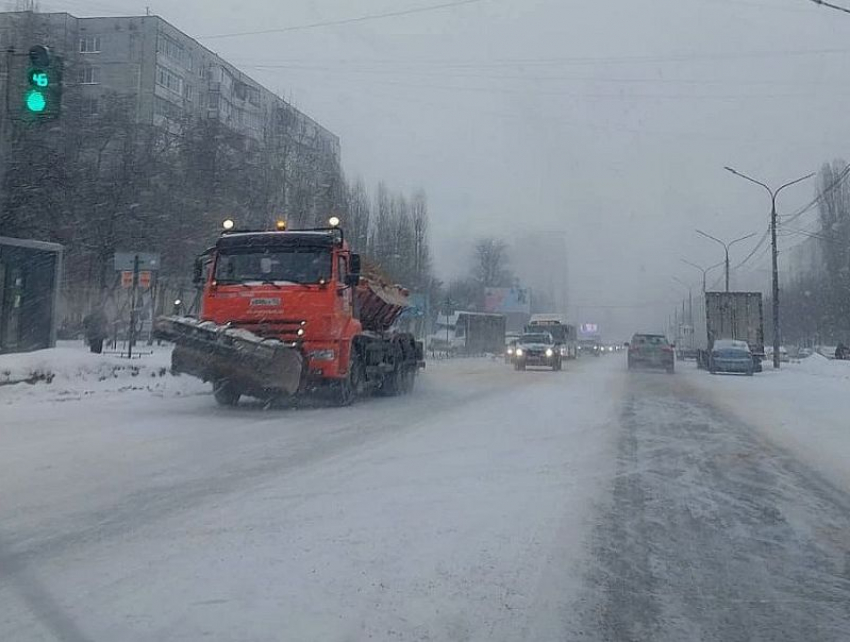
<point>43,88</point>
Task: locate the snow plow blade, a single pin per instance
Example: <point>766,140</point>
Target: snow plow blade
<point>214,353</point>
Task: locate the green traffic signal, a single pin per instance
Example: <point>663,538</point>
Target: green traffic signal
<point>36,101</point>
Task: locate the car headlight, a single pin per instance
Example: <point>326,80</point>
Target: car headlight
<point>549,352</point>
<point>510,350</point>
<point>323,355</point>
<point>519,352</point>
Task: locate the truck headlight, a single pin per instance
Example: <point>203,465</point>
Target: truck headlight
<point>510,350</point>
<point>519,352</point>
<point>549,352</point>
<point>564,351</point>
<point>323,355</point>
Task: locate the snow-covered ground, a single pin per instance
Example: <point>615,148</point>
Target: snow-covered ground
<point>70,371</point>
<point>461,512</point>
<point>804,407</point>
<point>592,503</point>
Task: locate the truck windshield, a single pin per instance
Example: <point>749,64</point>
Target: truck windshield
<point>286,266</point>
<point>536,338</point>
<point>558,332</point>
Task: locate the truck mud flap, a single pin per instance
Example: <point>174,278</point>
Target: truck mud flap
<point>214,353</point>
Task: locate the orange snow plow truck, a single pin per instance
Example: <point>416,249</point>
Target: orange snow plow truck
<point>285,313</point>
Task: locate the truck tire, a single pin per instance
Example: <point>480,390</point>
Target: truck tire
<point>408,379</point>
<point>345,391</point>
<point>225,393</point>
<point>392,385</point>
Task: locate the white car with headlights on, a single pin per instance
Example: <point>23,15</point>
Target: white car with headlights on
<point>537,349</point>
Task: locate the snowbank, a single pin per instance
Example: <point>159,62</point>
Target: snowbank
<point>70,370</point>
<point>820,366</point>
<point>804,407</point>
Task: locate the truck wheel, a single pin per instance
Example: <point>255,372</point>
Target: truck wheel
<point>409,380</point>
<point>345,390</point>
<point>392,385</point>
<point>225,393</point>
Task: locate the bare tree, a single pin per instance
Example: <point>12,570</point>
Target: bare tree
<point>421,246</point>
<point>358,216</point>
<point>491,263</point>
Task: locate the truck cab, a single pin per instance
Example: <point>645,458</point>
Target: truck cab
<point>292,286</point>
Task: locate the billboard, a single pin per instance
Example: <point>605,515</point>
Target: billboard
<point>588,330</point>
<point>507,300</point>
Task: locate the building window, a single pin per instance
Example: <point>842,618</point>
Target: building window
<point>213,101</point>
<point>89,107</point>
<point>90,44</point>
<point>89,75</point>
<point>190,92</point>
<point>170,49</point>
<point>166,109</point>
<point>168,79</point>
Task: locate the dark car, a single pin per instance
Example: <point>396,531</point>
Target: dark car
<point>729,355</point>
<point>651,351</point>
<point>537,349</point>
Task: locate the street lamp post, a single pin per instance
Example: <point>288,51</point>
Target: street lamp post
<point>704,271</point>
<point>726,247</point>
<point>690,300</point>
<point>775,254</point>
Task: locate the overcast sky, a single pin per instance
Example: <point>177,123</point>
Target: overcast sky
<point>611,121</point>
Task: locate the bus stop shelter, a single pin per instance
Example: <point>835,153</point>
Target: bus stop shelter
<point>30,279</point>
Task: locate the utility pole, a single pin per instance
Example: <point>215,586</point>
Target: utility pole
<point>726,247</point>
<point>774,251</point>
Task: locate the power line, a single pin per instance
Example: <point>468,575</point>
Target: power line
<point>345,21</point>
<point>822,237</point>
<point>755,249</point>
<point>831,6</point>
<point>465,74</point>
<point>567,60</point>
<point>610,95</point>
<point>819,198</point>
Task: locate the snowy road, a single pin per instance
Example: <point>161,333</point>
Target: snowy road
<point>589,504</point>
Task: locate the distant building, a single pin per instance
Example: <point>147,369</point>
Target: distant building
<point>539,260</point>
<point>803,259</point>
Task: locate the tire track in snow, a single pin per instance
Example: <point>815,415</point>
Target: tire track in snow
<point>712,534</point>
